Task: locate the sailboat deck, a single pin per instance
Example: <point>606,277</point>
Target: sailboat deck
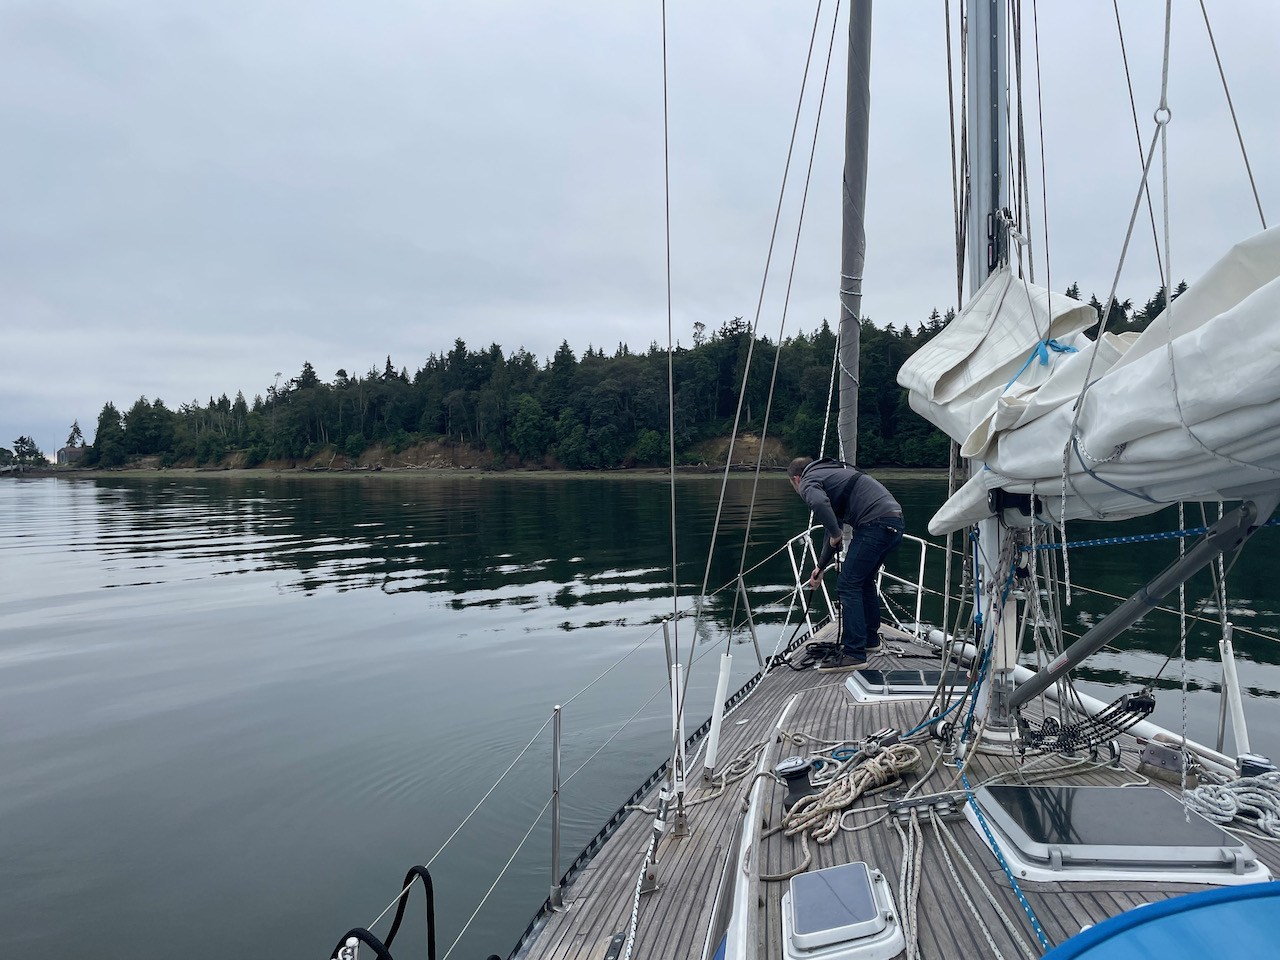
<point>673,920</point>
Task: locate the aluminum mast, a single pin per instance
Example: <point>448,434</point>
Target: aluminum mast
<point>853,239</point>
<point>987,243</point>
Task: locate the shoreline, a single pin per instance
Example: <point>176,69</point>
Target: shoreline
<point>445,473</point>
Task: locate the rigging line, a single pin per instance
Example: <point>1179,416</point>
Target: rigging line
<point>1024,187</point>
<point>732,584</point>
<point>501,873</point>
<point>955,183</point>
<point>761,563</point>
<point>826,414</point>
<point>1015,188</point>
<point>671,402</point>
<point>1081,454</point>
<point>1198,614</point>
<point>1137,135</point>
<point>609,668</point>
<point>1182,649</point>
<point>624,726</point>
<point>786,301</point>
<point>522,753</point>
<point>1044,177</point>
<point>1169,610</point>
<point>1163,122</point>
<point>755,326</point>
<point>1232,108</point>
<point>1093,355</point>
<point>490,791</point>
<point>959,245</point>
<point>1163,117</point>
<point>1164,70</point>
<point>966,192</point>
<point>1115,283</point>
<point>589,685</point>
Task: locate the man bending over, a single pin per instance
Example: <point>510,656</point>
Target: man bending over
<point>838,494</point>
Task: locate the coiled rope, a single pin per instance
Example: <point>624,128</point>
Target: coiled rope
<point>1257,798</point>
<point>819,814</point>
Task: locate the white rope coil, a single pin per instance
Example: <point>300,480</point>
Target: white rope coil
<point>1255,798</point>
<point>820,813</point>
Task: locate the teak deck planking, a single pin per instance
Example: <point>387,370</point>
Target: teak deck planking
<point>673,920</point>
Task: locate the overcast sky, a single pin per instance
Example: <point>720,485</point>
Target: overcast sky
<point>195,195</point>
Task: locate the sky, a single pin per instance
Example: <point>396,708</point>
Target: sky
<point>197,196</point>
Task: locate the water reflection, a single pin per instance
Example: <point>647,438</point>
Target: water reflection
<point>302,684</point>
<point>485,537</point>
<point>471,536</point>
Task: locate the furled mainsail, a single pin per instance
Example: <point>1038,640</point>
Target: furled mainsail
<point>1187,410</point>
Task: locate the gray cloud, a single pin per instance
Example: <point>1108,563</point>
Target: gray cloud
<point>195,196</point>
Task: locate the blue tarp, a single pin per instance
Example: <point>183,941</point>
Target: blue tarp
<point>1224,922</point>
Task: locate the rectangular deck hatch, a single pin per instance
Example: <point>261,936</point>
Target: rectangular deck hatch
<point>1064,825</point>
<point>840,913</point>
<point>833,905</point>
<point>867,685</point>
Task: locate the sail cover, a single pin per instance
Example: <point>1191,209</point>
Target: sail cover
<point>1187,410</point>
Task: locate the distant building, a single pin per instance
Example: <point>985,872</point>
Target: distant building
<point>69,455</point>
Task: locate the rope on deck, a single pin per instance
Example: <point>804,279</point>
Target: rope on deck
<point>1253,800</point>
<point>820,813</point>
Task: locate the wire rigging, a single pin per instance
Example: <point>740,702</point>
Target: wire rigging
<point>1137,136</point>
<point>1231,106</point>
<point>1044,177</point>
<point>755,326</point>
<point>786,301</point>
<point>671,377</point>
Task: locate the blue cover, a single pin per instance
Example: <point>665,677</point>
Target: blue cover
<point>1223,922</point>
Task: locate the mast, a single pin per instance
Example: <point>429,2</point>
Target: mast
<point>987,243</point>
<point>853,238</point>
<point>988,138</point>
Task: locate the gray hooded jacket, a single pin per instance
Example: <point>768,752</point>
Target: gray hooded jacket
<point>838,493</point>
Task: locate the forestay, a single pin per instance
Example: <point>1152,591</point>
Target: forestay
<point>1187,410</point>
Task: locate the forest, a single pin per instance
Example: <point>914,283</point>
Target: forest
<point>594,411</point>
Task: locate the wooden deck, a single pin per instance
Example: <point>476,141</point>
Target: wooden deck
<point>673,921</point>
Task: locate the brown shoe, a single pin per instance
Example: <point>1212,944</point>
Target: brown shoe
<point>842,664</point>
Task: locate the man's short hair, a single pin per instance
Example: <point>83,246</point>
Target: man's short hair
<point>797,467</point>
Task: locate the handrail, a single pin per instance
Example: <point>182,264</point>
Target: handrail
<point>918,585</point>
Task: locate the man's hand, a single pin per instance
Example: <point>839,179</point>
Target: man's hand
<point>815,578</point>
<point>836,541</point>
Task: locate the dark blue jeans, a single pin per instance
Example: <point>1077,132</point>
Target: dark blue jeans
<point>856,585</point>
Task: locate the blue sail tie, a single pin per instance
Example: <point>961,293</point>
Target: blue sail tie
<point>1041,350</point>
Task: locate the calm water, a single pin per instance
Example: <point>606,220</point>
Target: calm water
<point>234,711</point>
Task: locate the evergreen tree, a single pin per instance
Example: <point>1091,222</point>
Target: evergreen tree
<point>108,441</point>
<point>26,452</point>
<point>307,379</point>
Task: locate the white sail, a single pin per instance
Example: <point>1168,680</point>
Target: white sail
<point>1187,410</point>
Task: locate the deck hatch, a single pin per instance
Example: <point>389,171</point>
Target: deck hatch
<point>840,913</point>
<point>833,906</point>
<point>1064,825</point>
<point>888,684</point>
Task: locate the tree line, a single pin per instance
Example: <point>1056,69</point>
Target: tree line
<point>591,411</point>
